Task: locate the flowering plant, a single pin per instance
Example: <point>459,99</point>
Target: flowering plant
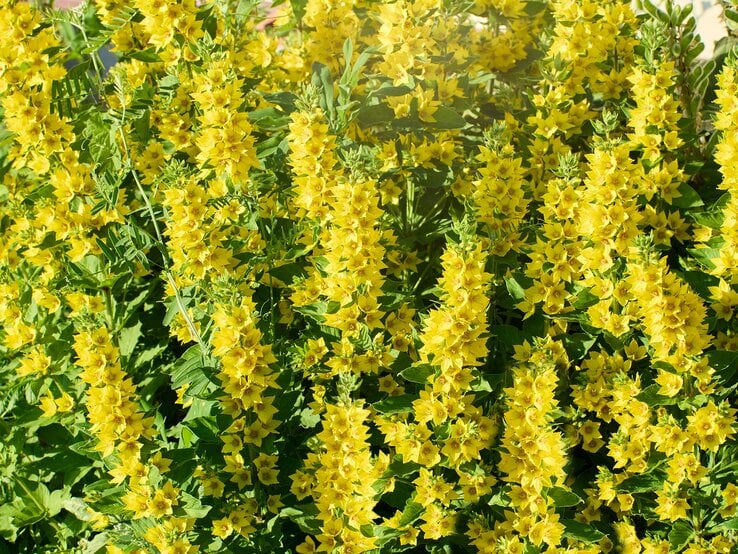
<point>367,276</point>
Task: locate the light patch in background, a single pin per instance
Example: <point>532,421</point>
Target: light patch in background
<point>710,22</point>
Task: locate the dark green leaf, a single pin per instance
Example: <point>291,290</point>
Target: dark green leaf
<point>725,365</point>
<point>128,338</point>
<point>578,344</point>
<point>513,287</point>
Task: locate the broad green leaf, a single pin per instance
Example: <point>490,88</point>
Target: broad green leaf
<point>576,530</point>
<point>642,483</point>
<point>578,344</point>
<point>78,507</point>
<point>190,370</point>
<point>96,545</point>
<point>446,118</point>
<point>298,8</point>
<point>308,418</point>
<point>681,533</point>
<point>564,498</point>
<point>725,364</point>
<point>395,404</point>
<point>650,395</point>
<point>128,338</point>
<point>418,373</point>
<point>376,114</point>
<point>410,514</point>
<point>513,287</point>
<point>192,506</point>
<point>689,197</point>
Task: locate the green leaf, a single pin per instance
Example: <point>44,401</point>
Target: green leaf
<point>564,498</point>
<point>681,533</point>
<point>700,282</point>
<point>376,114</point>
<point>446,118</point>
<point>304,517</point>
<point>270,119</point>
<point>642,483</point>
<point>192,506</point>
<point>286,100</point>
<point>418,373</point>
<point>650,395</point>
<point>205,429</point>
<point>78,508</point>
<point>298,8</point>
<point>513,287</point>
<point>199,408</point>
<point>410,514</point>
<point>688,199</point>
<point>395,404</point>
<point>184,463</point>
<point>128,338</point>
<point>391,91</point>
<point>584,299</point>
<point>507,335</point>
<point>322,78</point>
<point>149,55</point>
<point>581,531</point>
<point>8,530</point>
<point>725,365</point>
<point>96,545</point>
<point>287,272</point>
<point>308,418</point>
<point>728,525</point>
<point>190,370</point>
<point>578,344</point>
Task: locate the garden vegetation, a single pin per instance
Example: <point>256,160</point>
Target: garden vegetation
<point>367,276</point>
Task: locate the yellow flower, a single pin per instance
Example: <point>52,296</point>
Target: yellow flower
<point>670,506</point>
<point>48,405</point>
<point>64,403</point>
<point>222,528</point>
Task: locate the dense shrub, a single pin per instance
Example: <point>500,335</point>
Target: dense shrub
<point>367,276</point>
